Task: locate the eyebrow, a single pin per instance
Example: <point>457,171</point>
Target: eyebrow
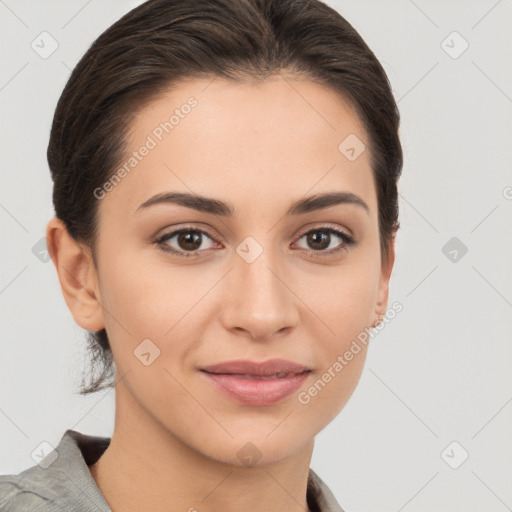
<point>216,207</point>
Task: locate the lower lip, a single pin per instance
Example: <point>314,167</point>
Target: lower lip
<point>256,391</point>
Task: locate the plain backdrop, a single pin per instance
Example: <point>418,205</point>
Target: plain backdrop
<point>437,387</point>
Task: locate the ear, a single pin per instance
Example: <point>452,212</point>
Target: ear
<point>383,291</point>
<point>77,275</point>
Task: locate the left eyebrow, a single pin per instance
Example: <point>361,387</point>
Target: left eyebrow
<point>197,202</point>
<point>321,201</point>
<point>216,207</point>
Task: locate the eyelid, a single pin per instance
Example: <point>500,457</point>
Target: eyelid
<point>187,227</point>
<point>326,226</point>
<point>348,240</point>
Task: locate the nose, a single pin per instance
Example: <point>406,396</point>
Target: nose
<point>258,299</point>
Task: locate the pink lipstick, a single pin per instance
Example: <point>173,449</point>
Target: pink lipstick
<point>254,383</point>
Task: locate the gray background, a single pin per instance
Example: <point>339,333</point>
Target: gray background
<point>439,372</point>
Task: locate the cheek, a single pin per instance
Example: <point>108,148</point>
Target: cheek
<point>341,360</point>
<point>333,387</point>
<point>145,298</point>
<point>344,309</point>
<point>342,299</point>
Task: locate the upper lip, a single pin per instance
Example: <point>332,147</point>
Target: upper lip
<point>265,368</point>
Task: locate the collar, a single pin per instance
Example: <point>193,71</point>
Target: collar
<point>68,481</point>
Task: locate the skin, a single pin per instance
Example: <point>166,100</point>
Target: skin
<point>258,146</point>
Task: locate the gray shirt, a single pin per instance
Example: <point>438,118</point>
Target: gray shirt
<point>66,483</point>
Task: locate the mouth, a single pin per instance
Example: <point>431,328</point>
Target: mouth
<point>256,383</point>
<point>280,375</point>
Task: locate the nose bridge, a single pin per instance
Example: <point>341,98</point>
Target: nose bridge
<point>258,299</point>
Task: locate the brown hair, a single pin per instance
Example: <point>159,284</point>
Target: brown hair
<point>163,42</point>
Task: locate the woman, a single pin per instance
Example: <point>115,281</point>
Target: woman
<point>225,187</point>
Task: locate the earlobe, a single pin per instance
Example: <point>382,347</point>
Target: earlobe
<point>77,275</point>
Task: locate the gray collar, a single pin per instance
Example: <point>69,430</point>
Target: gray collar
<point>67,484</point>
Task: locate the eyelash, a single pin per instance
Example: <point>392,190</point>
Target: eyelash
<point>347,241</point>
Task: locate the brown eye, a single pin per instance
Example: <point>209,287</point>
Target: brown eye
<point>188,242</point>
<point>319,240</point>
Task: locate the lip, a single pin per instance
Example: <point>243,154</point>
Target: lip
<point>255,383</point>
<point>264,368</point>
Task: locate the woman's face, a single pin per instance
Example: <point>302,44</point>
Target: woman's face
<point>249,280</point>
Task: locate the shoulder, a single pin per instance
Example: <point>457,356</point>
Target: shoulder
<point>24,492</point>
<point>60,481</point>
<point>321,498</point>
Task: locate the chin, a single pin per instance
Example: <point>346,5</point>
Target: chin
<point>256,443</point>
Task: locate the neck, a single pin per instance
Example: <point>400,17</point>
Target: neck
<point>146,467</point>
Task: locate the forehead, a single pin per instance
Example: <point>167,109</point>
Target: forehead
<point>229,139</point>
